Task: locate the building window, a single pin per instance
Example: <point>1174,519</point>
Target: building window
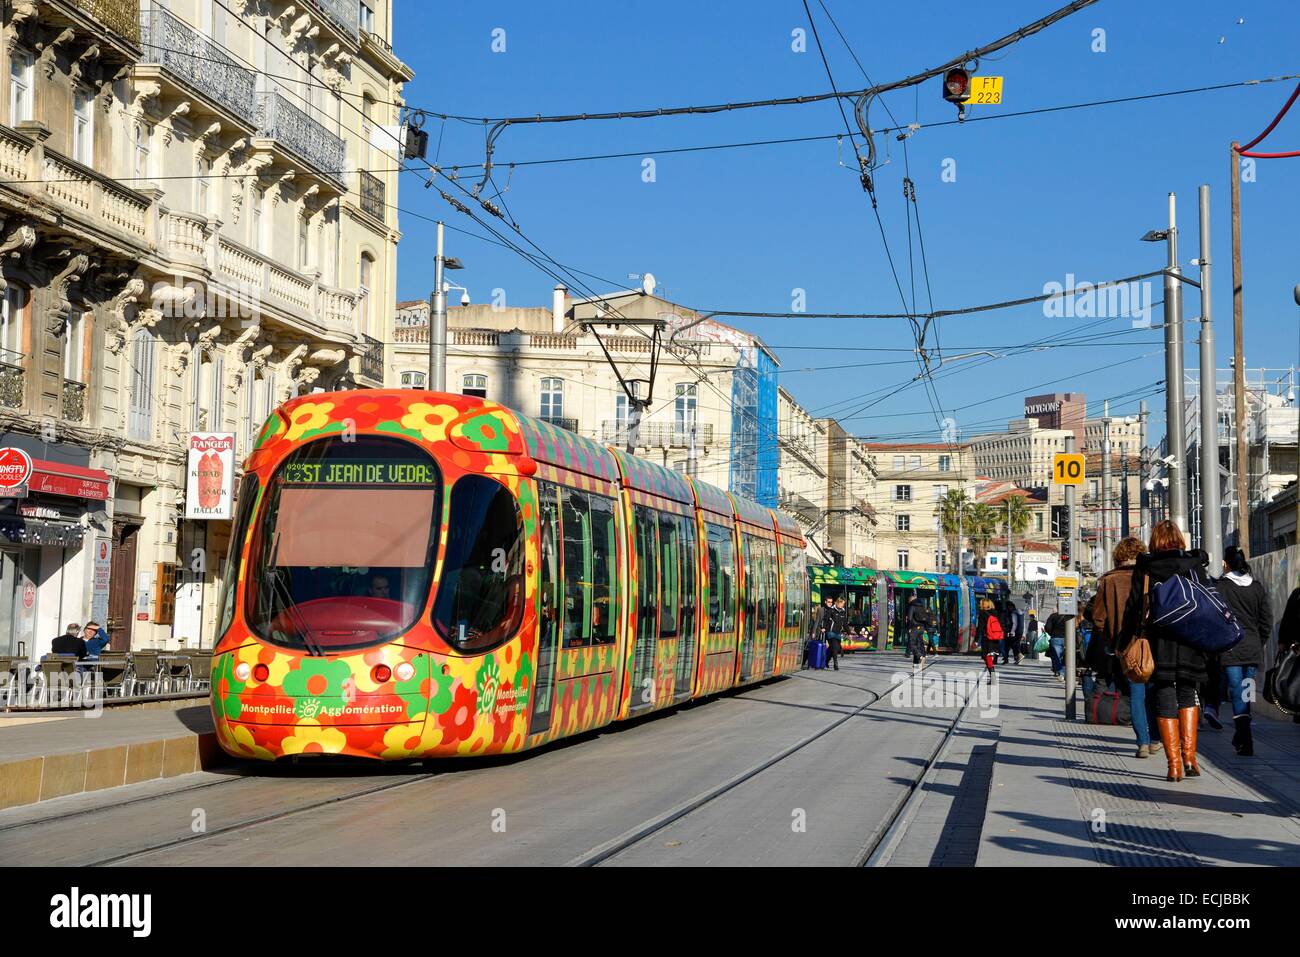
<point>902,523</point>
<point>202,186</point>
<point>140,155</point>
<point>20,86</point>
<point>900,462</point>
<point>916,462</point>
<point>83,126</point>
<point>363,293</point>
<point>140,401</point>
<point>303,261</point>
<point>902,558</point>
<point>552,399</point>
<point>255,222</point>
<point>685,407</point>
<point>945,463</point>
<point>413,380</point>
<point>902,493</point>
<point>74,333</point>
<point>620,413</point>
<point>475,385</point>
<point>11,325</point>
<point>1038,522</point>
<point>366,19</point>
<point>940,491</point>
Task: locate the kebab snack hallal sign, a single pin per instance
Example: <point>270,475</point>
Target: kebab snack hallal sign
<point>210,476</point>
<point>15,473</point>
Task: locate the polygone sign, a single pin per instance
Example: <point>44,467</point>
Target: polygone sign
<point>15,473</point>
<point>210,476</point>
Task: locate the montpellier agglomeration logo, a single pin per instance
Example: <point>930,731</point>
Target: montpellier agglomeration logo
<point>1080,299</point>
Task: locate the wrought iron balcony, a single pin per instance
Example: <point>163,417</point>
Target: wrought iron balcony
<point>372,195</point>
<point>197,62</point>
<point>120,16</point>
<point>11,382</point>
<point>372,360</point>
<point>295,131</point>
<point>344,14</point>
<point>74,401</point>
<point>562,421</point>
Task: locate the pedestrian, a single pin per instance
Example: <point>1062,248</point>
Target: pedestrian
<point>839,621</point>
<point>1010,633</point>
<point>1055,628</point>
<point>1180,669</point>
<point>988,632</point>
<point>1248,600</point>
<point>96,638</point>
<point>1031,630</point>
<point>818,628</point>
<point>919,621</point>
<point>69,643</point>
<point>1106,645</point>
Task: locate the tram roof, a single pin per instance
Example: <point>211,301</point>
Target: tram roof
<point>558,446</point>
<point>646,476</point>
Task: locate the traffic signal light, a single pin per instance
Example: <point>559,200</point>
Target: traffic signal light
<point>417,143</point>
<point>956,85</point>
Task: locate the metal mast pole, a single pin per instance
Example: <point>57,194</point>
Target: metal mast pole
<point>1071,565</point>
<point>1175,422</point>
<point>1211,516</point>
<point>1144,494</point>
<point>1105,486</point>
<point>438,326</point>
<point>1239,363</point>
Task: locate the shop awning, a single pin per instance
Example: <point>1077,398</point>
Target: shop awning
<point>74,481</point>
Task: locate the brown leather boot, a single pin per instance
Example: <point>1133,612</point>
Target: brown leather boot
<point>1188,720</point>
<point>1169,737</point>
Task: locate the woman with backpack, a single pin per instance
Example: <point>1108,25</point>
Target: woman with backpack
<point>1180,668</point>
<point>1248,600</point>
<point>988,632</point>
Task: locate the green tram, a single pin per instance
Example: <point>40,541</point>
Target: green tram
<point>877,600</point>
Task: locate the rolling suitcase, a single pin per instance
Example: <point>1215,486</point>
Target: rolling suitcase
<point>817,653</point>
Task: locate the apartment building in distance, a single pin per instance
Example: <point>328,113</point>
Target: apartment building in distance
<point>912,479</point>
<point>196,224</point>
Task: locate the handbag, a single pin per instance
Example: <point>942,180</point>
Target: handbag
<point>1282,683</point>
<point>1194,615</point>
<point>1136,658</point>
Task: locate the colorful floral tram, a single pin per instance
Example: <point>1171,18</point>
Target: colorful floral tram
<point>876,602</point>
<point>416,574</point>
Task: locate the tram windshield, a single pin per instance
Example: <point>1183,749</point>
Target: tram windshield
<point>344,552</point>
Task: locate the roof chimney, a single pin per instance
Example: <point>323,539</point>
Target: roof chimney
<point>559,297</point>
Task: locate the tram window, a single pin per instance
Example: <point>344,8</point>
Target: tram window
<point>722,579</point>
<point>481,596</point>
<point>647,573</point>
<point>338,515</point>
<point>576,522</point>
<point>245,501</point>
<point>549,577</point>
<point>670,561</point>
<point>690,565</point>
<point>604,569</point>
<point>751,581</point>
<point>796,587</point>
<point>761,584</point>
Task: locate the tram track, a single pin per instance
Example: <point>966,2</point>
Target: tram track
<point>638,834</point>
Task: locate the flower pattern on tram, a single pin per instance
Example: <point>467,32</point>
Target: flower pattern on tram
<point>318,678</point>
<point>459,719</point>
<point>309,418</point>
<point>428,421</point>
<point>308,737</point>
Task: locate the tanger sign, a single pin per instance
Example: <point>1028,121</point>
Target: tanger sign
<point>210,476</point>
<point>15,473</point>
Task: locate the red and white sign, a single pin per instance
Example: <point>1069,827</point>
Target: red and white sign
<point>15,469</point>
<point>210,480</point>
<point>29,595</point>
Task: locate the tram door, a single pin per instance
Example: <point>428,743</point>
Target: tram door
<point>548,624</point>
<point>773,607</point>
<point>751,588</point>
<point>646,542</point>
<point>687,626</point>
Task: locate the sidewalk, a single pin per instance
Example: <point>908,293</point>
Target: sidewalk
<point>1072,794</point>
<point>50,756</point>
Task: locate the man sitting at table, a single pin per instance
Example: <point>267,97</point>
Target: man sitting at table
<point>97,640</point>
<point>69,643</point>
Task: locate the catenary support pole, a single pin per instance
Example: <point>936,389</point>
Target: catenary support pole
<point>438,326</point>
<point>1239,365</point>
<point>1072,565</point>
<point>1175,413</point>
<point>1211,517</point>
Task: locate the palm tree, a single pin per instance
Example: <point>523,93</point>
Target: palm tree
<point>982,524</point>
<point>952,521</point>
<point>1015,521</point>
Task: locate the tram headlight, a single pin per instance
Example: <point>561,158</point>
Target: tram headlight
<point>405,671</point>
<point>243,670</point>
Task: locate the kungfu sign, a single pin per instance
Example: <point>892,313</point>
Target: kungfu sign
<point>210,476</point>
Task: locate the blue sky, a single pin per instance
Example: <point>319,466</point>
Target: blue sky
<point>1035,199</point>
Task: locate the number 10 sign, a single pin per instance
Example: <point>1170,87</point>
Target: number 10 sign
<point>1067,468</point>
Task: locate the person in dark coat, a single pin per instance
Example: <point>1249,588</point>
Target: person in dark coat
<point>1180,669</point>
<point>1055,628</point>
<point>919,621</point>
<point>70,643</point>
<point>1247,598</point>
<point>819,621</point>
<point>1107,614</point>
<point>835,629</point>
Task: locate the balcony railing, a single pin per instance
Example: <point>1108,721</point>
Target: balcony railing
<point>197,62</point>
<point>120,16</point>
<point>561,421</point>
<point>345,14</point>
<point>660,435</point>
<point>372,195</point>
<point>293,129</point>
<point>74,401</point>
<point>11,384</point>
<point>372,360</point>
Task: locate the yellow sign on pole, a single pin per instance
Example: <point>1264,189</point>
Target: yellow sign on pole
<point>986,89</point>
<point>1067,581</point>
<point>1067,468</point>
